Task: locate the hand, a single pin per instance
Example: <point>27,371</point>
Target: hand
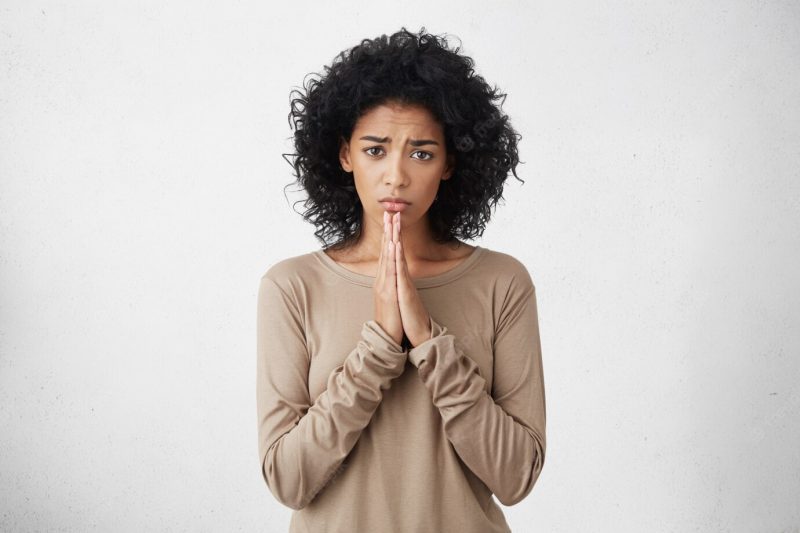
<point>414,316</point>
<point>387,308</point>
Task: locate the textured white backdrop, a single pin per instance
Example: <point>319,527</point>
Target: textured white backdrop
<point>141,199</point>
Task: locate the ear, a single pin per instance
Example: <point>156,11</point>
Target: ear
<point>344,155</point>
<point>451,166</point>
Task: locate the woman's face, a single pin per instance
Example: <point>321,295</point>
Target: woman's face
<point>397,151</point>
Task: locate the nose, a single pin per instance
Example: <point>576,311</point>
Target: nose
<point>395,175</point>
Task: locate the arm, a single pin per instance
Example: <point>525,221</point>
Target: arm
<point>302,445</point>
<point>500,437</point>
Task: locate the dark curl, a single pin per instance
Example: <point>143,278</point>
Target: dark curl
<point>410,69</point>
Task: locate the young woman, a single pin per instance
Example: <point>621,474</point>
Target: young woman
<point>399,375</point>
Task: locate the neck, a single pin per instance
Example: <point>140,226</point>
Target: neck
<point>416,239</point>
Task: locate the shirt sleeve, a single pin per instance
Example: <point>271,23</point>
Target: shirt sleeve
<point>500,437</point>
<point>302,445</point>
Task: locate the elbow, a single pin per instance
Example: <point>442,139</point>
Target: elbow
<point>530,475</point>
<point>286,491</point>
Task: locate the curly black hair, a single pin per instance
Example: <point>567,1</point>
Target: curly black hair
<point>406,68</point>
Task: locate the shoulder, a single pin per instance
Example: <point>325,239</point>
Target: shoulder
<point>286,268</point>
<point>292,275</point>
<point>509,271</point>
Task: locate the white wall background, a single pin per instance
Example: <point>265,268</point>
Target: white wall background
<point>141,199</point>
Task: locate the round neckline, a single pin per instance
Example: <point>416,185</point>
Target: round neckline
<point>421,283</point>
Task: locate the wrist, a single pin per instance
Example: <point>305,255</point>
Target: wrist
<point>427,335</point>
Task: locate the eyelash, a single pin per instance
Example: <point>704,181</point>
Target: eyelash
<point>430,155</point>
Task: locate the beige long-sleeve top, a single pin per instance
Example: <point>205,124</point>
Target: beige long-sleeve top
<point>357,434</point>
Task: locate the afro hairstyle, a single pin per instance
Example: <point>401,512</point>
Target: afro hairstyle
<point>406,68</point>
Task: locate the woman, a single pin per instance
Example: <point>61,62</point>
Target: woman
<point>399,376</point>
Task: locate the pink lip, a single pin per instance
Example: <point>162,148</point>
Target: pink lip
<point>392,199</point>
<point>394,206</point>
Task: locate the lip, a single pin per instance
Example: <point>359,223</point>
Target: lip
<point>395,206</point>
<point>393,199</point>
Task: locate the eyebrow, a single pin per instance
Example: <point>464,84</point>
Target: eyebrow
<point>412,142</point>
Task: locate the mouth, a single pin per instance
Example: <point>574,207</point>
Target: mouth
<point>394,206</point>
<point>392,199</point>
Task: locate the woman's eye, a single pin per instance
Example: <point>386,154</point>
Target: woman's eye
<point>427,155</point>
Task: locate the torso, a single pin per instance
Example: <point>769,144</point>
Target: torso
<point>453,256</point>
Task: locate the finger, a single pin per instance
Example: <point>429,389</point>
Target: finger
<point>398,253</point>
<point>392,269</point>
<point>379,275</point>
<point>389,259</point>
<point>400,264</point>
<point>385,267</point>
<point>399,257</point>
<point>382,254</point>
<point>383,273</point>
<point>397,268</point>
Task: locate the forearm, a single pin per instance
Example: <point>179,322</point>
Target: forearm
<point>505,453</point>
<point>300,455</point>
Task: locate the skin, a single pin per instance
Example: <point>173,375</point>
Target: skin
<point>395,245</point>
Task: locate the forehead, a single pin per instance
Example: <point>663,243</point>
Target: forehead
<point>413,118</point>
